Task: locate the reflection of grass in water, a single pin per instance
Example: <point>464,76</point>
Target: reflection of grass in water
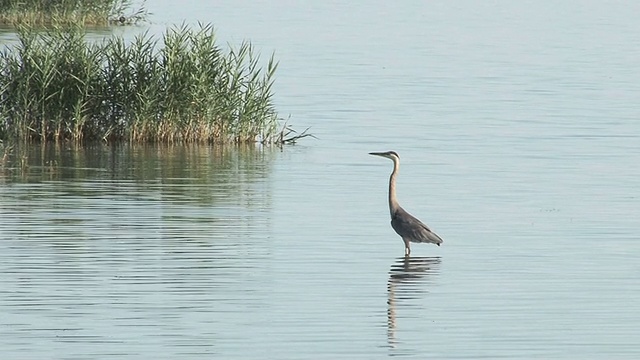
<point>204,174</point>
<point>86,12</point>
<point>54,86</point>
<point>194,173</point>
<point>7,153</point>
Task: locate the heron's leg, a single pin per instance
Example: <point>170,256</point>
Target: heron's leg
<point>407,248</point>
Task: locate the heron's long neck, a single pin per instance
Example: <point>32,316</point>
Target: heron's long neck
<point>393,201</point>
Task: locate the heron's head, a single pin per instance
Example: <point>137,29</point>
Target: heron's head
<point>387,154</point>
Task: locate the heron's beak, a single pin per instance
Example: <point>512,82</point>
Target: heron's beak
<point>377,153</point>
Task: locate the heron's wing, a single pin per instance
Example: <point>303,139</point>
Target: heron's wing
<point>409,227</point>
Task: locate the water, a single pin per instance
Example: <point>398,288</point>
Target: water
<point>517,128</point>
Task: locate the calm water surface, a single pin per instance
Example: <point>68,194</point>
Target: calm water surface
<point>517,125</point>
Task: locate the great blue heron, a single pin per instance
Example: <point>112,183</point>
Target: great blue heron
<point>406,225</point>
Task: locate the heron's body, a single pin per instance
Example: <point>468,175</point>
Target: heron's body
<point>406,225</point>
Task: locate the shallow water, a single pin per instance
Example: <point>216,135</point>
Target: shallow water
<point>517,128</point>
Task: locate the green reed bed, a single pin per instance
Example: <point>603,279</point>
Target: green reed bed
<point>54,85</point>
<point>86,12</point>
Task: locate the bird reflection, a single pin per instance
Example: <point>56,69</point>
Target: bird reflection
<point>409,278</point>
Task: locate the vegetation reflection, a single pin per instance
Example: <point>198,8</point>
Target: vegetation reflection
<point>193,173</point>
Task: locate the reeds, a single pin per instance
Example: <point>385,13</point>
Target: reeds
<point>54,86</point>
<point>66,12</point>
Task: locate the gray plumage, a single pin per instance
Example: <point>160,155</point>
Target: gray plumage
<point>406,225</point>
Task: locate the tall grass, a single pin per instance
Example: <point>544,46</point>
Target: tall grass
<point>59,12</point>
<point>54,86</point>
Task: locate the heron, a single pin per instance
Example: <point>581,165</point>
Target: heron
<point>406,225</point>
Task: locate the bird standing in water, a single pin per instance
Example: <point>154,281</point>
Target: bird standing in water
<point>406,225</point>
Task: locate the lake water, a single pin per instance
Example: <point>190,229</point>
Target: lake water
<point>518,128</point>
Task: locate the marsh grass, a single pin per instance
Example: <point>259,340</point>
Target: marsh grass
<point>66,12</point>
<point>54,86</point>
<point>5,152</point>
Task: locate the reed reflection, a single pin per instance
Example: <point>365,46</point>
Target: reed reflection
<point>71,196</point>
<point>409,279</point>
<point>192,173</point>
